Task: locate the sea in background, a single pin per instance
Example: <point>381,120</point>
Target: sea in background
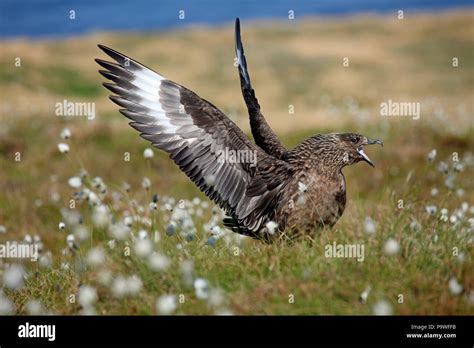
<point>51,18</point>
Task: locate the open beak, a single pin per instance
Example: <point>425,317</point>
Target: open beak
<point>361,152</point>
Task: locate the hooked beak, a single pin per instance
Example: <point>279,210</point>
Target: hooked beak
<point>361,152</point>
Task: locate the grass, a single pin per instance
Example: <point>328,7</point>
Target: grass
<point>246,276</point>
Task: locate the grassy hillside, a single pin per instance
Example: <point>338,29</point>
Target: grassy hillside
<point>291,63</point>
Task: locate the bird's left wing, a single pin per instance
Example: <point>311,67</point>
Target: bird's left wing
<point>198,136</point>
<point>261,131</point>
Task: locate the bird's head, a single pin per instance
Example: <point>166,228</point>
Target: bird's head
<point>337,150</point>
<point>352,146</point>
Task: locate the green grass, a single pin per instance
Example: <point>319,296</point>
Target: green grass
<point>262,277</point>
<point>254,277</point>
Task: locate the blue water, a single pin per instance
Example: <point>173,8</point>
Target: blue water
<point>50,18</point>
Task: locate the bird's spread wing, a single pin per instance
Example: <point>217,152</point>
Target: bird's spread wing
<point>261,131</point>
<point>200,140</point>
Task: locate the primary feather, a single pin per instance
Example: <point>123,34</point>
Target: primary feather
<point>196,135</point>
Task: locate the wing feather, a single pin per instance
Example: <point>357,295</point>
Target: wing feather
<point>197,135</point>
<point>261,131</point>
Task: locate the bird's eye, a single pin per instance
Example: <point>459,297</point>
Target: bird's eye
<point>354,140</point>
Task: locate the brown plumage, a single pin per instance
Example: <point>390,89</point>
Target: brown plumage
<point>300,190</point>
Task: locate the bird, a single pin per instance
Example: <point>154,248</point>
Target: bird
<point>267,191</point>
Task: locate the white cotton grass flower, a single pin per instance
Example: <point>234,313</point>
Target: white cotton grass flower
<point>119,286</point>
<point>443,167</point>
<point>391,247</point>
<point>101,216</point>
<point>365,295</point>
<point>97,182</point>
<point>449,181</point>
<point>382,307</point>
<point>65,133</point>
<point>458,167</point>
<point>201,288</point>
<point>111,244</point>
<point>134,284</point>
<point>55,197</point>
<point>431,209</point>
<point>93,199</point>
<point>187,272</point>
<point>6,306</point>
<point>40,247</point>
<point>369,225</point>
<point>271,227</point>
<point>216,298</point>
<point>158,262</point>
<point>34,307</point>
<point>142,234</point>
<point>434,191</point>
<point>143,248</point>
<point>148,153</point>
<point>61,226</point>
<point>415,225</point>
<point>81,233</point>
<point>75,182</point>
<point>71,217</point>
<point>119,231</point>
<point>3,229</point>
<point>71,241</point>
<point>146,183</point>
<point>126,186</point>
<point>83,173</point>
<point>87,295</point>
<point>171,228</point>
<point>156,237</point>
<point>217,231</point>
<point>104,276</point>
<point>128,221</point>
<point>453,219</point>
<point>63,148</point>
<point>454,287</point>
<point>432,155</point>
<point>13,277</point>
<point>444,214</point>
<point>45,260</point>
<point>166,304</point>
<point>126,286</point>
<point>95,257</point>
